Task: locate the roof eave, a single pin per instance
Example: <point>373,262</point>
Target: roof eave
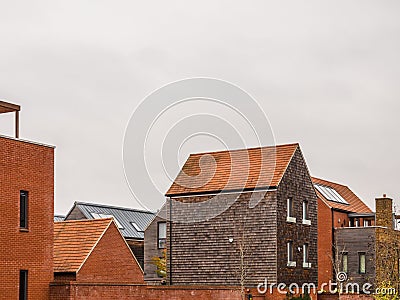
<point>213,192</point>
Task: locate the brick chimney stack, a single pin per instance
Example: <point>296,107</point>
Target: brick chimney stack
<point>384,212</point>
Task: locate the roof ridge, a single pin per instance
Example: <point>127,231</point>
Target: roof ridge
<point>114,207</point>
<point>85,220</point>
<point>244,149</point>
<point>317,178</point>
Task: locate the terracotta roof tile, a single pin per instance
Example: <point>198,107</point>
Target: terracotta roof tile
<point>356,205</point>
<point>233,170</point>
<point>74,240</point>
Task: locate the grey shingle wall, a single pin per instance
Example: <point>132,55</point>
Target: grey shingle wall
<point>202,253</point>
<point>296,183</point>
<point>355,240</point>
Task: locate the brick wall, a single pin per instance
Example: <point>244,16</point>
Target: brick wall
<point>111,261</point>
<point>79,291</point>
<point>341,219</point>
<point>325,269</point>
<point>26,166</point>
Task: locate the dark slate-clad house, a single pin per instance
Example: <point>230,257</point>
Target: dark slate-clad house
<point>131,222</point>
<point>241,216</point>
<point>371,254</point>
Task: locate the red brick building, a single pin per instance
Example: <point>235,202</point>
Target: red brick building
<point>26,218</point>
<point>93,251</point>
<point>338,207</point>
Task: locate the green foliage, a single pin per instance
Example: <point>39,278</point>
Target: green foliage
<point>386,291</point>
<point>161,264</point>
<point>304,296</point>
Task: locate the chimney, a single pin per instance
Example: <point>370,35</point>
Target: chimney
<point>384,212</point>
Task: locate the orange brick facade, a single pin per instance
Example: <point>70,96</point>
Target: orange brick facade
<point>29,167</point>
<point>81,291</point>
<point>324,243</point>
<point>111,261</point>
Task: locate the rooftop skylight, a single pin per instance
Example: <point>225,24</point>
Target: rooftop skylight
<point>104,216</point>
<point>330,194</point>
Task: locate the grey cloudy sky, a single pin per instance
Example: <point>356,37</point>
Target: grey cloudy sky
<point>325,72</point>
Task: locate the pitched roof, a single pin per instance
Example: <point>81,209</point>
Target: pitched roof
<point>74,240</point>
<point>233,170</point>
<point>355,204</point>
<point>125,217</point>
<point>58,218</point>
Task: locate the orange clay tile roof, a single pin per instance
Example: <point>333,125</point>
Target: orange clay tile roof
<point>74,241</point>
<point>356,205</point>
<point>233,170</point>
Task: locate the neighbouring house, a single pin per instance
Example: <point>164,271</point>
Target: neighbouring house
<point>93,251</point>
<point>371,254</point>
<point>338,207</point>
<point>131,222</point>
<point>244,216</point>
<point>155,237</point>
<point>26,215</point>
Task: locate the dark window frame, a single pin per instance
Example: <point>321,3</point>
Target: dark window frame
<point>360,255</point>
<point>161,242</point>
<point>23,209</point>
<point>23,284</point>
<point>345,269</point>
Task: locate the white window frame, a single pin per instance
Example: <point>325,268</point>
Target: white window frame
<point>306,263</point>
<point>290,211</point>
<point>306,220</point>
<point>136,226</point>
<point>290,254</point>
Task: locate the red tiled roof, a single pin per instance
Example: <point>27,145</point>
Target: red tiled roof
<point>233,170</point>
<point>74,240</point>
<point>356,205</point>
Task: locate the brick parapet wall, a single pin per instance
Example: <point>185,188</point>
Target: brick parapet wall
<point>92,291</point>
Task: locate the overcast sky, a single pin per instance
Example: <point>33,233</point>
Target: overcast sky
<point>325,72</point>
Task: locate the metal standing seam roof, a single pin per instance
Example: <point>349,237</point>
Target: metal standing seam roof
<point>59,218</point>
<point>124,216</point>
